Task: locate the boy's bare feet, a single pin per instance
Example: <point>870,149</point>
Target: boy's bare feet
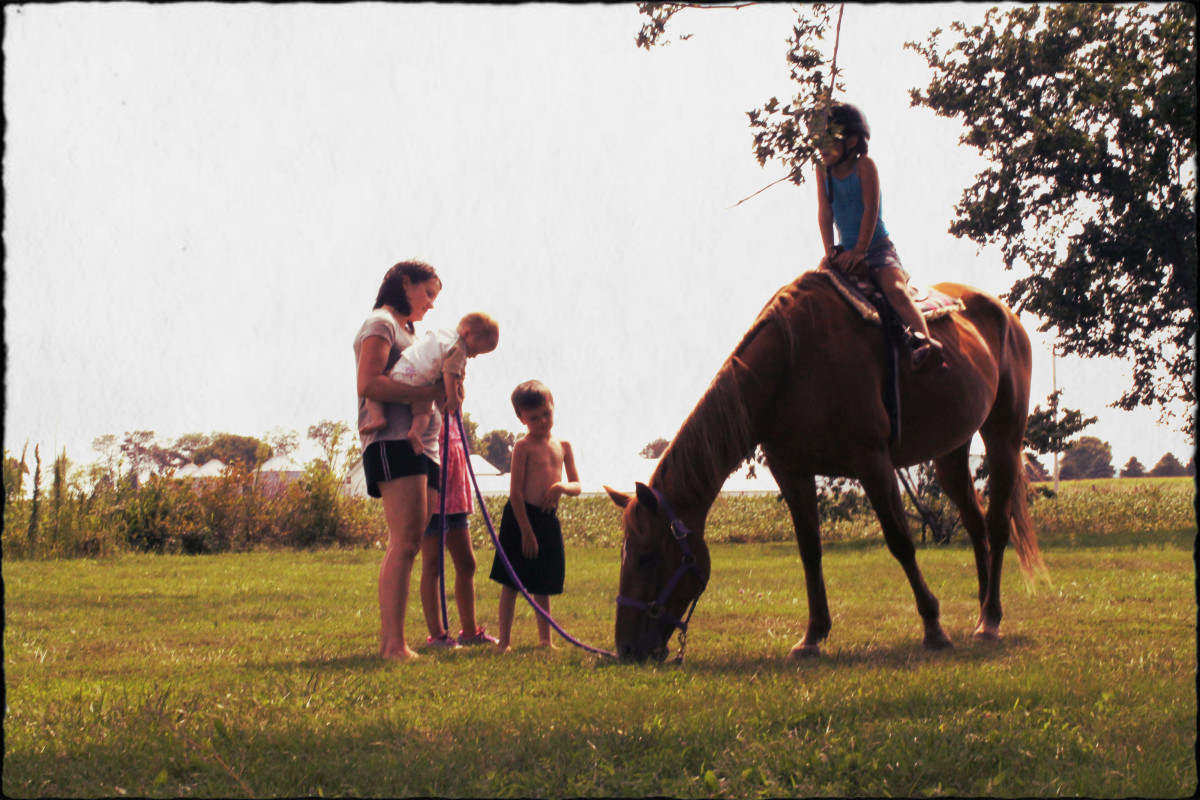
<point>501,648</point>
<point>415,441</point>
<point>548,645</point>
<point>371,425</point>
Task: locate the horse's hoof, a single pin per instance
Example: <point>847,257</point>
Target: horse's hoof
<point>938,642</point>
<point>987,633</point>
<point>803,651</point>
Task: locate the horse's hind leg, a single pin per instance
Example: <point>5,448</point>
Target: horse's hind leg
<point>1003,434</point>
<point>954,474</point>
<point>1004,461</point>
<point>884,493</point>
<point>800,494</point>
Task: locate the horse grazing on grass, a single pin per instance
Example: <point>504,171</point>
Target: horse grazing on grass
<point>805,383</point>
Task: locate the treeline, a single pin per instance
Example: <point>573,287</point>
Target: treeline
<point>129,500</point>
<point>240,510</point>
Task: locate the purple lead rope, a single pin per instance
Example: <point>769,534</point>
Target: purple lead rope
<point>496,543</point>
<point>442,532</point>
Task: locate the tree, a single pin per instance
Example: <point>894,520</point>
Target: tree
<point>231,448</point>
<point>32,531</point>
<point>655,449</point>
<point>136,446</point>
<point>14,476</point>
<point>1087,458</point>
<point>788,132</point>
<point>1168,467</point>
<point>1049,431</point>
<point>329,435</point>
<point>1133,469</point>
<point>1034,471</point>
<point>191,443</point>
<point>472,429</point>
<point>496,447</point>
<point>282,442</point>
<point>109,449</point>
<point>1087,113</point>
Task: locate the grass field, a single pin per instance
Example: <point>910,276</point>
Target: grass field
<point>254,675</point>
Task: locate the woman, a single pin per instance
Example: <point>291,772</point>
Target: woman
<point>405,481</point>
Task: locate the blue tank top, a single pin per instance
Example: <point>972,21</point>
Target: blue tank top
<point>846,200</point>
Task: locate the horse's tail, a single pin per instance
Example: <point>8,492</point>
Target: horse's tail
<point>1024,537</point>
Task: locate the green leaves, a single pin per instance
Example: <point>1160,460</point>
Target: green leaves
<point>1050,431</point>
<point>1088,114</point>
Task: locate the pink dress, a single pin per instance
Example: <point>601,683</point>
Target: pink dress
<point>458,482</point>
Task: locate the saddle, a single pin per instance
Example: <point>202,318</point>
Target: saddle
<point>859,293</point>
<point>868,300</point>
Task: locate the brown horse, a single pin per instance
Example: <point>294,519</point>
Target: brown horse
<point>806,383</point>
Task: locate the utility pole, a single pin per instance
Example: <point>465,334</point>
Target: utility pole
<point>1054,406</point>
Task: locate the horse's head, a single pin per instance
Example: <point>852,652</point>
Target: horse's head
<point>664,569</point>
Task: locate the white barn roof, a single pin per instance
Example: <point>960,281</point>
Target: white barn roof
<point>210,470</point>
<point>281,464</point>
<point>481,466</point>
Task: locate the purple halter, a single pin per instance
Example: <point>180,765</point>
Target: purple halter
<point>657,608</point>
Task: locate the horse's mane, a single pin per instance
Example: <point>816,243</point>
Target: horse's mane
<point>719,432</point>
<point>714,438</point>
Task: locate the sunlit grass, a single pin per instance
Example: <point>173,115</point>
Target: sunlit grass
<point>255,674</point>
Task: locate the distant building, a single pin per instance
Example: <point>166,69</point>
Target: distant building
<point>211,469</point>
<point>277,473</point>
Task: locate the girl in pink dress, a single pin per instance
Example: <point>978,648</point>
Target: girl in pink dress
<point>458,544</point>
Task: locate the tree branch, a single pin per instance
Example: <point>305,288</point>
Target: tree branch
<point>789,176</point>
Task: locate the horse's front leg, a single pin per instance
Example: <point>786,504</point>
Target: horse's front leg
<point>800,493</point>
<point>879,482</point>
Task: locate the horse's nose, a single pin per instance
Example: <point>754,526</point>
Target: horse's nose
<point>628,654</point>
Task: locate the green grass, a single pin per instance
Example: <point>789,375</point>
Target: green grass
<point>254,675</point>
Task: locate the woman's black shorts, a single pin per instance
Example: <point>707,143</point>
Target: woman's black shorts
<point>387,461</point>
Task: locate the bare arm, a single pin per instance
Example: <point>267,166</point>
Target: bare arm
<point>570,487</point>
<point>868,175</point>
<point>373,382</point>
<point>824,212</point>
<point>455,391</point>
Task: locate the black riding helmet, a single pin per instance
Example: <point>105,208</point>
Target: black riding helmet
<point>847,120</point>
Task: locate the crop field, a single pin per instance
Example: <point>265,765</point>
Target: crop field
<point>255,675</point>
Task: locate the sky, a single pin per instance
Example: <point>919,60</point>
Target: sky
<point>202,199</point>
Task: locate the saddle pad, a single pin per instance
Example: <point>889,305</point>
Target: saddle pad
<point>930,302</point>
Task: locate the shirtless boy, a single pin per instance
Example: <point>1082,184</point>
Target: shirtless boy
<point>530,535</point>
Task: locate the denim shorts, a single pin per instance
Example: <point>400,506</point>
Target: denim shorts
<point>387,461</point>
<point>452,521</point>
<point>883,254</point>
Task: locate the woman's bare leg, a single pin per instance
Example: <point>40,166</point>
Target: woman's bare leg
<point>431,595</point>
<point>404,508</point>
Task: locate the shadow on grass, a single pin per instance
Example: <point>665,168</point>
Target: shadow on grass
<point>1183,539</point>
<point>904,655</point>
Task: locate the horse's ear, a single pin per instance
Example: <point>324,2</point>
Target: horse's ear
<point>646,496</point>
<point>620,498</point>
